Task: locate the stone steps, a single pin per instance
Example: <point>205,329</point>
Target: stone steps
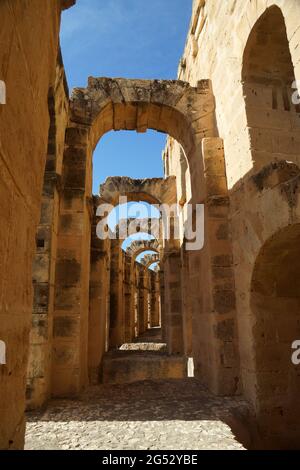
<point>127,366</point>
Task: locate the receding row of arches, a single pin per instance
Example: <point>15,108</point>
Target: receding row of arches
<point>272,119</point>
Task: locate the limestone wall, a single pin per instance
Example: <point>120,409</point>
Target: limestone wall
<point>28,68</point>
<point>215,49</point>
<point>250,52</point>
<point>44,267</point>
<point>99,303</point>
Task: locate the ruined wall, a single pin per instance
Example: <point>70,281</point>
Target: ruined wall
<point>28,68</point>
<point>44,266</point>
<point>215,49</point>
<point>250,52</point>
<point>99,302</point>
<point>71,308</point>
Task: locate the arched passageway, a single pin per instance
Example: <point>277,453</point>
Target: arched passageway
<point>275,302</point>
<point>173,107</point>
<point>135,292</point>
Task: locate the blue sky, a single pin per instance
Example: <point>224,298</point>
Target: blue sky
<point>125,38</point>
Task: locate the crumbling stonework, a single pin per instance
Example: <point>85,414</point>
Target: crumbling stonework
<point>28,67</point>
<point>43,325</point>
<point>250,52</point>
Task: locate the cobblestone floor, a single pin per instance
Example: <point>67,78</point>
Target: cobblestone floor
<point>169,414</point>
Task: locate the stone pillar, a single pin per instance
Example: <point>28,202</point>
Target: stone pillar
<point>142,300</point>
<point>157,300</point>
<point>136,298</point>
<point>173,303</point>
<point>133,299</point>
<point>151,297</point>
<point>146,298</point>
<point>128,300</point>
<point>162,304</point>
<point>186,305</point>
<point>41,336</point>
<point>70,328</point>
<point>39,365</point>
<point>154,303</point>
<point>117,310</point>
<point>211,283</point>
<point>99,304</point>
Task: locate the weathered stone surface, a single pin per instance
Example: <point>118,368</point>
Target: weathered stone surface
<point>29,68</point>
<point>161,416</point>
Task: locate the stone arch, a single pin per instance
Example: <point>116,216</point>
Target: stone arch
<point>275,301</point>
<point>158,266</point>
<point>139,246</point>
<point>142,306</point>
<point>274,195</point>
<point>127,228</point>
<point>154,191</point>
<point>150,259</point>
<point>267,77</point>
<point>173,107</point>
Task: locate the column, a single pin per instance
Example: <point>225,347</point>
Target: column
<point>117,310</point>
<point>99,304</point>
<point>173,303</point>
<point>70,327</point>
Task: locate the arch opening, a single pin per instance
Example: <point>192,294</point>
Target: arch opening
<point>138,210</point>
<point>268,78</point>
<point>275,303</point>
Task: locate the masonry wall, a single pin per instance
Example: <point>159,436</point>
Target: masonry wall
<point>117,308</point>
<point>155,317</point>
<point>99,305</point>
<point>44,265</point>
<point>129,298</point>
<point>71,307</point>
<point>250,52</point>
<point>215,49</point>
<point>28,68</point>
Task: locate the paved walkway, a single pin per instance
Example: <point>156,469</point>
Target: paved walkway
<point>169,414</point>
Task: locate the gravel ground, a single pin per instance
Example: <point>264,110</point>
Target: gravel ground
<point>169,414</point>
